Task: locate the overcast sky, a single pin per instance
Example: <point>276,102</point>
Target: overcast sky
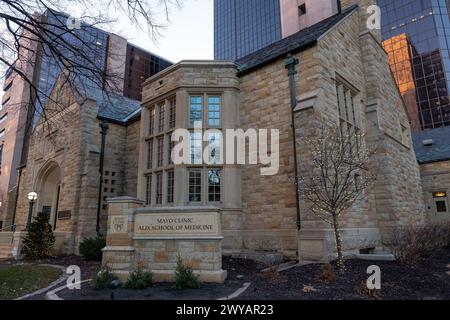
<point>189,35</point>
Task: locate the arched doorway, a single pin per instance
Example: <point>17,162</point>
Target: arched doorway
<point>48,186</point>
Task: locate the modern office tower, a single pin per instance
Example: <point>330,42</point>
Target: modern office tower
<point>242,27</point>
<point>127,65</point>
<point>417,40</point>
<point>140,65</point>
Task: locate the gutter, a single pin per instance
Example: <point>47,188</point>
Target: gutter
<point>13,221</point>
<point>290,64</point>
<point>433,161</point>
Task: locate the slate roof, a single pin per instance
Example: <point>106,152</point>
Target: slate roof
<point>113,107</point>
<point>439,151</point>
<point>294,43</point>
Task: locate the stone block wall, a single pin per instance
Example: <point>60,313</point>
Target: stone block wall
<point>435,178</point>
<point>131,159</point>
<point>268,221</point>
<point>126,250</point>
<point>71,141</point>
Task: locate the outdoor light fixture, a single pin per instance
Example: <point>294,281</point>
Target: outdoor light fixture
<point>440,195</point>
<point>32,196</point>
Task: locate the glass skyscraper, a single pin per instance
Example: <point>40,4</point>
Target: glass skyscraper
<point>417,39</point>
<point>91,41</point>
<point>244,26</point>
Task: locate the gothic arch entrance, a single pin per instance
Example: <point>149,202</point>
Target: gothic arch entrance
<point>48,186</point>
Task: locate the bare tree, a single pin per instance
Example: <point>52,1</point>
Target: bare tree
<point>48,28</point>
<point>336,175</point>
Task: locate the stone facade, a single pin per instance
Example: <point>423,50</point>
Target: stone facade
<point>258,213</point>
<point>263,222</point>
<point>127,249</point>
<point>436,179</point>
<point>432,149</point>
<point>63,168</point>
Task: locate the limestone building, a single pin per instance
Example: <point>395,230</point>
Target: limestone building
<point>342,75</point>
<point>63,165</point>
<point>433,153</point>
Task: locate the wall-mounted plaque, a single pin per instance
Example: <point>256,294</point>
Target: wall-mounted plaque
<point>64,215</point>
<point>119,225</point>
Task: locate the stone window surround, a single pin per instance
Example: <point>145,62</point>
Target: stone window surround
<point>159,176</point>
<point>148,189</point>
<point>348,100</point>
<point>195,186</point>
<point>160,152</point>
<point>152,121</point>
<point>167,167</point>
<point>162,121</point>
<point>219,172</point>
<point>153,137</point>
<point>205,126</point>
<point>205,109</point>
<point>172,112</point>
<point>445,199</point>
<point>150,147</point>
<point>204,185</point>
<point>170,196</point>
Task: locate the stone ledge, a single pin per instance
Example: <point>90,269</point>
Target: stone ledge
<point>204,276</point>
<point>188,209</point>
<point>168,276</point>
<point>125,200</point>
<point>180,238</point>
<point>119,249</point>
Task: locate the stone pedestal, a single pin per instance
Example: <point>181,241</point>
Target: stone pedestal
<point>320,244</point>
<point>154,238</point>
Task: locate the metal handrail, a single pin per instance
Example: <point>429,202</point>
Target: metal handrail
<point>12,227</point>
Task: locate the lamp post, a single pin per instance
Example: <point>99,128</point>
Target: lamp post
<point>32,196</point>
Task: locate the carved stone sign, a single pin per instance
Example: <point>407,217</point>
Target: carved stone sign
<point>119,225</point>
<point>177,225</point>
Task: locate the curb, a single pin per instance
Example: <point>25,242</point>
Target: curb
<point>52,295</point>
<point>237,293</point>
<point>51,285</point>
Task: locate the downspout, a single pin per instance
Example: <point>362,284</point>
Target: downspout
<point>13,221</point>
<point>290,64</point>
<point>104,129</point>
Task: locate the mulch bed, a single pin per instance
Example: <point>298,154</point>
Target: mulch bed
<point>429,281</point>
<point>162,291</point>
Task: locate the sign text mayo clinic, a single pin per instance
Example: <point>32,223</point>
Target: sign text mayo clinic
<point>205,224</point>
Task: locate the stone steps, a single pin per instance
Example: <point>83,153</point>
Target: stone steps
<point>5,251</point>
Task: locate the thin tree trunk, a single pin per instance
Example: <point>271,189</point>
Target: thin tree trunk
<point>337,234</point>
